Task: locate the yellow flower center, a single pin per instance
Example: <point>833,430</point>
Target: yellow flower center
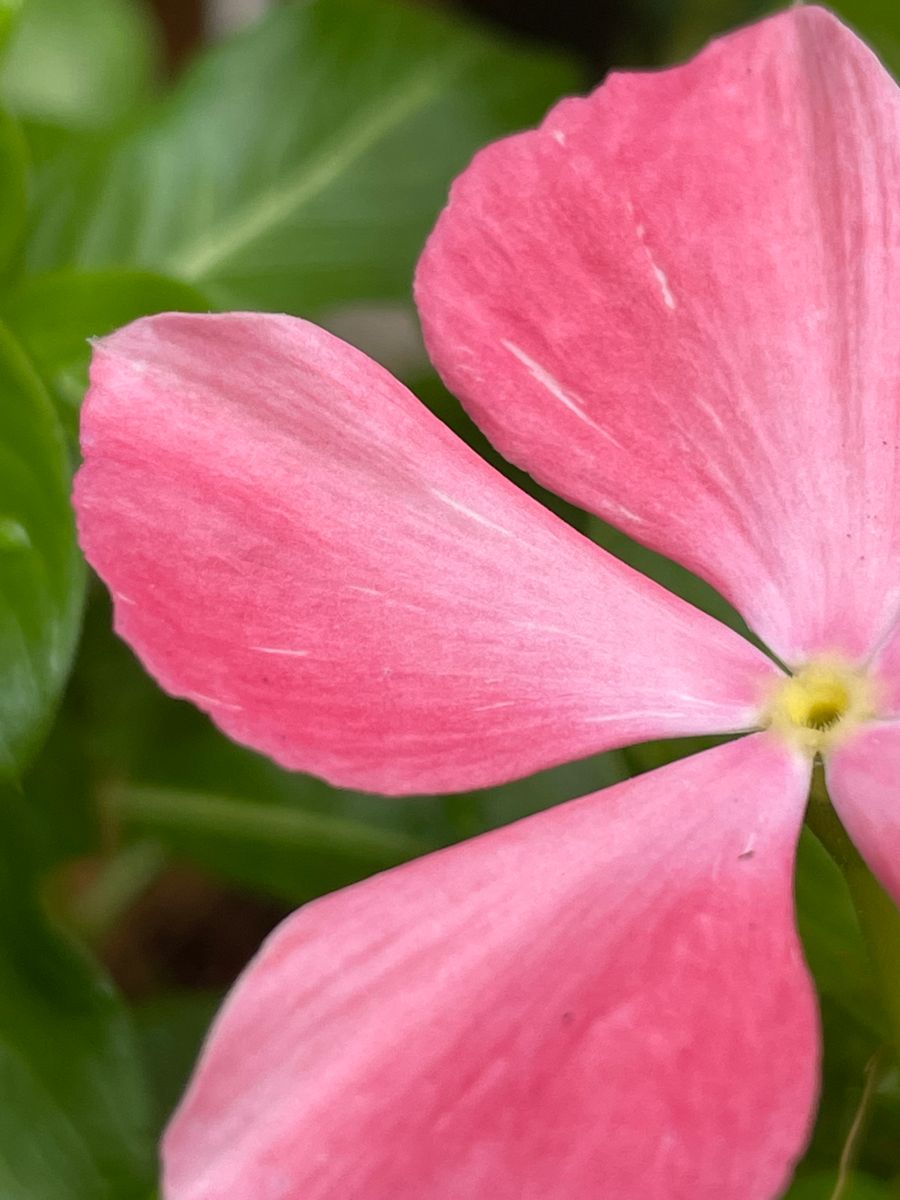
<point>820,704</point>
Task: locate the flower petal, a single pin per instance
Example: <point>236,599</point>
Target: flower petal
<point>607,999</point>
<point>676,304</point>
<point>885,671</point>
<point>863,776</point>
<point>295,544</point>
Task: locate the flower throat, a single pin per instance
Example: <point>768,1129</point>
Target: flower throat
<point>820,704</point>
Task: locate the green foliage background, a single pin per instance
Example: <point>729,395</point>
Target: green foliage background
<point>297,167</point>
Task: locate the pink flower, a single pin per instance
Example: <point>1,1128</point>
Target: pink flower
<point>676,304</point>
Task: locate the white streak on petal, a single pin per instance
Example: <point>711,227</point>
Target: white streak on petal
<point>199,698</point>
<point>661,277</point>
<point>711,413</point>
<point>555,388</point>
<point>468,512</point>
<point>663,282</point>
<point>282,650</point>
<point>614,509</point>
<point>558,631</point>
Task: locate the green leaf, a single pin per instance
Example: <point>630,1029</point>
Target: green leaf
<point>832,938</point>
<point>878,22</point>
<point>13,188</point>
<point>73,1123</point>
<point>290,851</point>
<point>302,163</point>
<point>41,573</point>
<point>820,1185</point>
<point>10,11</point>
<point>80,65</point>
<point>170,1030</point>
<point>55,315</point>
<point>693,22</point>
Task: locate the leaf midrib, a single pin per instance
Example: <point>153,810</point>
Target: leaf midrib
<point>194,261</point>
<point>285,826</point>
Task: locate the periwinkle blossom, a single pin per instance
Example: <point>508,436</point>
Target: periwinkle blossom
<point>676,304</point>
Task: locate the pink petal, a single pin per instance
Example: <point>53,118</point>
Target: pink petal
<point>863,776</point>
<point>677,302</point>
<point>295,544</point>
<point>607,1000</point>
<point>885,670</point>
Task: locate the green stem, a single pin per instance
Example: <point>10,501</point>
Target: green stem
<point>875,1069</point>
<point>118,885</point>
<point>161,810</point>
<point>878,915</point>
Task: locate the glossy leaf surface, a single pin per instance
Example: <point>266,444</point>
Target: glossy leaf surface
<point>315,188</point>
<point>72,1122</point>
<point>41,571</point>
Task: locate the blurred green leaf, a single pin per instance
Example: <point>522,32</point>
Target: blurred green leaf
<point>54,315</point>
<point>118,882</point>
<point>41,574</point>
<point>831,935</point>
<point>694,22</point>
<point>277,848</point>
<point>170,1030</point>
<point>73,1123</point>
<point>13,188</point>
<point>878,22</point>
<point>65,821</point>
<point>294,837</point>
<point>302,163</point>
<point>10,10</point>
<point>820,1185</point>
<point>78,63</point>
